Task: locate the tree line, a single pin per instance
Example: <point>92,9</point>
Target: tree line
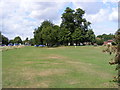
<point>74,29</point>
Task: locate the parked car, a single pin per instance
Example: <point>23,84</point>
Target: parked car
<point>10,44</point>
<point>39,45</point>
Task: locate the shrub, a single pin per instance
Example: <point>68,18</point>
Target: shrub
<point>99,42</point>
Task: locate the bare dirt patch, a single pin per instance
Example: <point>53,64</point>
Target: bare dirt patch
<point>51,48</point>
<point>73,82</point>
<point>55,57</point>
<point>29,74</point>
<point>52,72</point>
<point>43,84</point>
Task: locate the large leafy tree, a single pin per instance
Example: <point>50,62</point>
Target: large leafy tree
<point>37,33</point>
<point>11,41</point>
<point>76,25</point>
<point>50,35</point>
<point>73,29</point>
<point>68,22</point>
<point>17,40</point>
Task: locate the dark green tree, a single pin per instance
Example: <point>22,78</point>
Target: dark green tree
<point>106,37</point>
<point>77,36</point>
<point>99,41</point>
<point>68,22</point>
<point>11,41</point>
<point>32,41</point>
<point>90,36</point>
<point>5,40</point>
<point>78,16</point>
<point>73,29</point>
<point>64,36</point>
<point>17,40</point>
<point>50,35</point>
<point>37,32</point>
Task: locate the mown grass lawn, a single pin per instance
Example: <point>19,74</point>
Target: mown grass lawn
<point>62,67</point>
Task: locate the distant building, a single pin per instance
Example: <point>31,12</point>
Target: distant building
<point>108,42</point>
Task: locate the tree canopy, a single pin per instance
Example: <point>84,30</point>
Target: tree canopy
<point>73,29</point>
<point>17,40</point>
<point>4,39</point>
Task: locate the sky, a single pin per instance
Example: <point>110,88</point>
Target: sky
<point>21,17</point>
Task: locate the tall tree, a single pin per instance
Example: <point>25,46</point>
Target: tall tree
<point>37,32</point>
<point>73,29</point>
<point>68,21</point>
<point>50,35</point>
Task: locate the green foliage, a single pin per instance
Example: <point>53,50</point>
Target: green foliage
<point>77,35</point>
<point>116,59</point>
<point>64,36</point>
<point>32,41</point>
<point>17,40</point>
<point>11,41</point>
<point>114,43</point>
<point>90,36</point>
<point>4,39</point>
<point>73,29</point>
<point>26,41</point>
<point>106,37</point>
<point>38,37</point>
<point>99,41</point>
<point>46,34</point>
<point>117,36</point>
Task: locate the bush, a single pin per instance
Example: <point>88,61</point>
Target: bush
<point>99,41</point>
<point>114,43</point>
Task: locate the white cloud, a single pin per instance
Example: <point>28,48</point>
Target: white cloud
<point>114,14</point>
<point>21,17</point>
<point>113,1</point>
<point>102,15</point>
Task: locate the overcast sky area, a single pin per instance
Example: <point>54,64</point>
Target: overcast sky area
<point>21,17</point>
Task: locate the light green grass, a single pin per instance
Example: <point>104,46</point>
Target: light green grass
<point>62,67</point>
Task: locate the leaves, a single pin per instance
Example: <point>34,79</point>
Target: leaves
<point>73,29</point>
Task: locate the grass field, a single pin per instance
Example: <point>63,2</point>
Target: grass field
<point>62,67</point>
